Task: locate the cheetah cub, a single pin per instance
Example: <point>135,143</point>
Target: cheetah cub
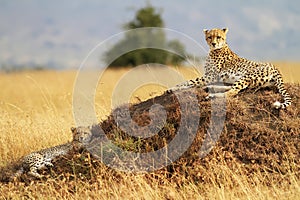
<point>42,159</point>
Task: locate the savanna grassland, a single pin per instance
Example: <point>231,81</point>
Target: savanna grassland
<point>36,112</point>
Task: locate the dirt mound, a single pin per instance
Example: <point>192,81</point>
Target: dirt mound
<point>254,138</point>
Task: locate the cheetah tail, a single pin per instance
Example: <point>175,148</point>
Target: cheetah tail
<point>287,99</point>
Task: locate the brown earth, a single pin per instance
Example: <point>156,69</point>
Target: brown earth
<point>255,139</point>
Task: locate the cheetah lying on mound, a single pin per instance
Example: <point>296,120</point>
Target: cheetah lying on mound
<point>38,160</point>
<point>224,66</point>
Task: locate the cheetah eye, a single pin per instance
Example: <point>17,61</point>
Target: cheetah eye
<point>218,37</point>
<point>209,37</point>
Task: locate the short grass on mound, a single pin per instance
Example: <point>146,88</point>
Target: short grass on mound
<point>255,141</point>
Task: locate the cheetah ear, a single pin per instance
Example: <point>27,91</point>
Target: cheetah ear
<point>73,129</point>
<point>205,31</point>
<point>225,30</point>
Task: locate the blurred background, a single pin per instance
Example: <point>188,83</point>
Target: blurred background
<point>59,34</point>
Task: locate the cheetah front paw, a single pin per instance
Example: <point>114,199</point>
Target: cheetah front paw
<point>215,95</point>
<point>178,88</point>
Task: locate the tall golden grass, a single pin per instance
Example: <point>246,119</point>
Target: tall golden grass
<point>36,112</point>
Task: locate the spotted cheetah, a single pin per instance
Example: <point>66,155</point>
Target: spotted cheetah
<point>223,65</point>
<point>41,159</point>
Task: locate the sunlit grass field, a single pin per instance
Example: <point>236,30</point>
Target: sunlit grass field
<point>36,112</point>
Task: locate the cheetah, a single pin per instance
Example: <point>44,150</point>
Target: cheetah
<point>41,159</point>
<point>224,66</point>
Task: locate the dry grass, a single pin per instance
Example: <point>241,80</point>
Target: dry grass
<point>36,110</point>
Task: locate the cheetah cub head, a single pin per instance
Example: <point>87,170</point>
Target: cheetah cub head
<point>82,135</point>
<point>216,38</point>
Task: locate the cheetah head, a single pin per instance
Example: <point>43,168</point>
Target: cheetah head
<point>82,135</point>
<point>216,38</point>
